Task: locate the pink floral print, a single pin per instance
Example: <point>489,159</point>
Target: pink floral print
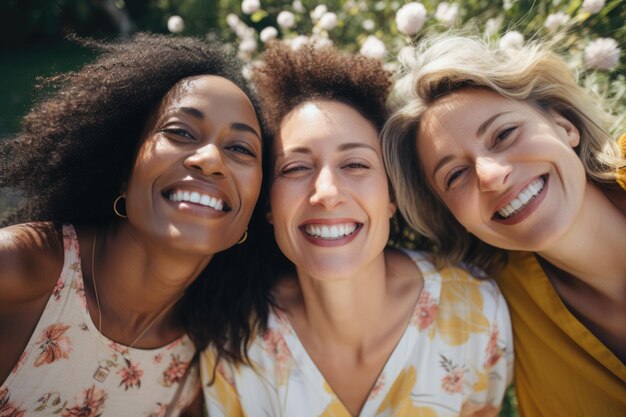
<point>88,404</point>
<point>56,292</point>
<point>7,408</point>
<point>54,344</point>
<point>175,371</point>
<point>274,344</point>
<point>452,382</point>
<point>494,352</point>
<point>130,375</point>
<point>425,312</point>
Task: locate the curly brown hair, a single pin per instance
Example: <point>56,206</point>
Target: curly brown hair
<point>289,77</point>
<point>76,149</point>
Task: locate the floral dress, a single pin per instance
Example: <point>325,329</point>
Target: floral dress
<point>70,369</point>
<point>453,359</point>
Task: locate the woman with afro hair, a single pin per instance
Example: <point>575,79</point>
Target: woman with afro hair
<point>358,328</point>
<point>138,172</point>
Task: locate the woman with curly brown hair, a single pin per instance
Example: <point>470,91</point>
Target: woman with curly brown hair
<point>359,328</point>
<point>136,172</point>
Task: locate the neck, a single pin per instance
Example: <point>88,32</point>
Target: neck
<point>597,238</point>
<point>345,310</point>
<point>136,282</point>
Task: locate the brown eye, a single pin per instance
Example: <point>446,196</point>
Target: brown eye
<point>453,177</point>
<point>178,133</point>
<point>241,149</point>
<point>504,134</point>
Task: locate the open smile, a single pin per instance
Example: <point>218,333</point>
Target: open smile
<point>196,197</point>
<point>330,234</point>
<point>522,200</point>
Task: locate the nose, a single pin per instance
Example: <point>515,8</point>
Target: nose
<point>327,191</point>
<point>492,173</point>
<point>208,160</point>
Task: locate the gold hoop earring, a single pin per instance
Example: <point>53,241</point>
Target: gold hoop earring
<point>244,237</point>
<point>116,210</point>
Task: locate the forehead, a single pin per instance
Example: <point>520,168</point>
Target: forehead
<point>464,106</point>
<point>209,89</point>
<point>325,120</point>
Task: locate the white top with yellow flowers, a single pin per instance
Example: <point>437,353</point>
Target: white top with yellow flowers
<point>453,359</point>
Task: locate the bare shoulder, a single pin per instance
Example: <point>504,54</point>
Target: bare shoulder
<point>31,259</point>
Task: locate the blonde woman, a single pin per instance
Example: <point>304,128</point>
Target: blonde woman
<point>504,161</point>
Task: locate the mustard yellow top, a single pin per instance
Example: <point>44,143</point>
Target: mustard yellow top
<point>561,368</point>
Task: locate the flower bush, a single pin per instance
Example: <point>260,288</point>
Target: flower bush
<point>588,33</point>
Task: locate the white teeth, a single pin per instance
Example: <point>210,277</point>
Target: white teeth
<point>523,198</point>
<point>336,231</point>
<point>197,198</point>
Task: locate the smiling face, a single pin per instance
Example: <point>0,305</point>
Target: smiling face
<point>197,174</point>
<point>330,203</point>
<point>506,170</point>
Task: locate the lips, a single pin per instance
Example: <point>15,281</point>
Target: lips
<point>523,199</point>
<point>330,231</point>
<point>197,197</point>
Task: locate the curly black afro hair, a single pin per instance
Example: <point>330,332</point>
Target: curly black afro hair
<point>76,149</point>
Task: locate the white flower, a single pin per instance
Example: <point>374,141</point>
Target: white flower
<point>175,24</point>
<point>246,71</point>
<point>368,25</point>
<point>593,6</point>
<point>406,55</point>
<point>556,2</point>
<point>248,45</point>
<point>447,13</point>
<point>328,21</point>
<point>250,6</point>
<point>511,41</point>
<point>232,20</point>
<point>321,42</point>
<point>373,48</point>
<point>297,6</point>
<point>390,66</point>
<point>298,42</point>
<point>286,19</point>
<point>507,4</point>
<point>318,12</point>
<point>554,20</point>
<point>410,18</point>
<point>244,31</point>
<point>268,34</point>
<point>603,53</point>
<point>493,25</point>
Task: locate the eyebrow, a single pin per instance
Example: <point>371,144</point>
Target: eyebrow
<point>441,163</point>
<point>242,127</point>
<point>342,148</point>
<point>485,125</point>
<point>480,131</point>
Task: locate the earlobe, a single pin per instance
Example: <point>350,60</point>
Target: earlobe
<point>392,209</point>
<point>572,135</point>
<point>268,216</point>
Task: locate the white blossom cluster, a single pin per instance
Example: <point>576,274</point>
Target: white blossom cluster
<point>382,29</point>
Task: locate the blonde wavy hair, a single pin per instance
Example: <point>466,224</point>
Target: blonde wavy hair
<point>442,65</point>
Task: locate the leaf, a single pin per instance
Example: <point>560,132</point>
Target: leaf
<point>258,15</point>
